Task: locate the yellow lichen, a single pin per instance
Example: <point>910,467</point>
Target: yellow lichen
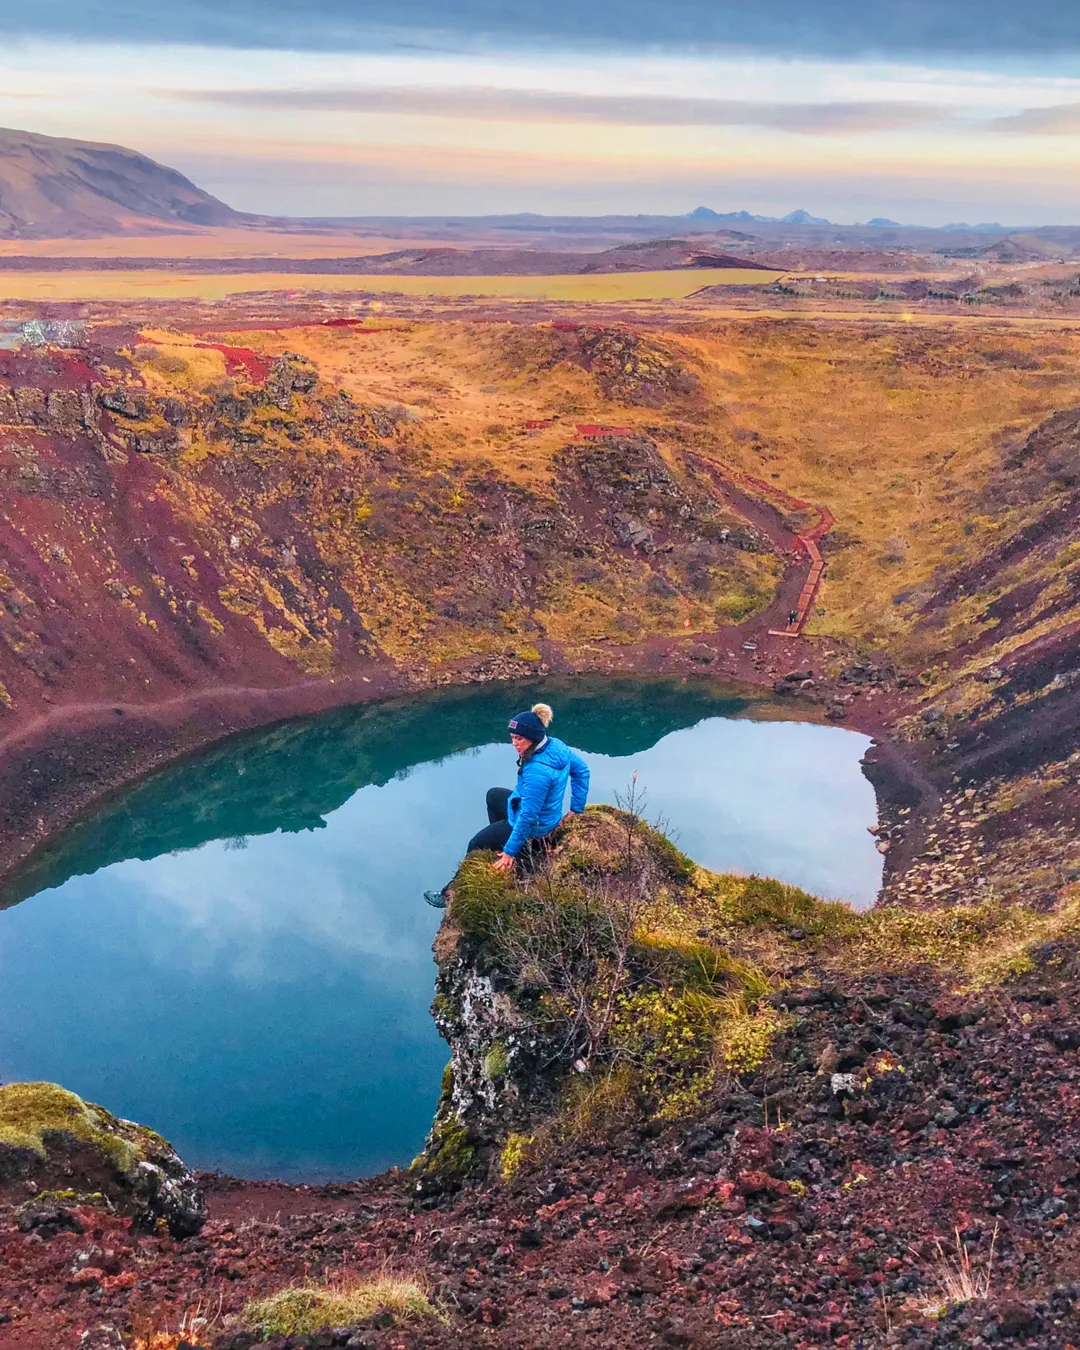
<point>210,619</point>
<point>516,1154</point>
<point>315,657</point>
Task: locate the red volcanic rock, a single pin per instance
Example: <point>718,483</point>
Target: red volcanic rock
<point>760,1183</point>
<point>86,1276</point>
<point>852,1216</point>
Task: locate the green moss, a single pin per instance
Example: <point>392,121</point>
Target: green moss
<point>668,1038</point>
<point>73,1198</point>
<point>735,607</point>
<point>31,1113</point>
<point>302,1312</point>
<point>691,963</point>
<point>13,1138</point>
<point>765,903</point>
<point>517,1152</point>
<point>481,898</point>
<point>449,1158</point>
<point>496,1062</point>
<point>746,1037</point>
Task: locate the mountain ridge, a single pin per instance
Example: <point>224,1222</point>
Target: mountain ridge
<point>57,187</point>
<point>64,188</point>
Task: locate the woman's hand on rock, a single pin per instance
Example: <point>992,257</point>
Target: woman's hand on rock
<point>503,863</point>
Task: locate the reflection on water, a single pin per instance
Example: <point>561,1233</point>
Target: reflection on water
<point>237,953</point>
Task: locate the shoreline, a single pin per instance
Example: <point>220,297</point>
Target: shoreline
<point>58,768</point>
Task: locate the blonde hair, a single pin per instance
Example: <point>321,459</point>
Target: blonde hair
<point>543,711</point>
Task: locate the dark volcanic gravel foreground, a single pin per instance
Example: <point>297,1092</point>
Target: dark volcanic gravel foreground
<point>952,1120</point>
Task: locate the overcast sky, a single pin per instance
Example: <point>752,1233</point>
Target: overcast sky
<point>926,111</point>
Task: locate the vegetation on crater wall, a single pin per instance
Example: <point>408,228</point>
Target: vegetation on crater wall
<point>334,527</point>
<point>319,498</point>
<point>664,983</point>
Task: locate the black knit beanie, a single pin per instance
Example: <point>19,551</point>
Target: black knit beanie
<point>527,724</point>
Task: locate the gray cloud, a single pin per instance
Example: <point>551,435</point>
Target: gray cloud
<point>543,106</point>
<point>1060,120</point>
<point>956,28</point>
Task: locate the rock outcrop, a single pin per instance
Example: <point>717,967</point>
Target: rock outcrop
<point>799,1125</point>
<point>57,1150</point>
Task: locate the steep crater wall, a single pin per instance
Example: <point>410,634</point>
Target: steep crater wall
<point>187,551</point>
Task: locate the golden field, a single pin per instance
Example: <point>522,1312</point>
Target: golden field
<point>171,285</point>
<point>198,242</point>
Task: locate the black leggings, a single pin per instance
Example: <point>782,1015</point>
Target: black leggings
<point>498,829</point>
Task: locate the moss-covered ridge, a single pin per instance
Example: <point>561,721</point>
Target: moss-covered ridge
<point>32,1113</point>
<point>49,1136</point>
<point>617,980</point>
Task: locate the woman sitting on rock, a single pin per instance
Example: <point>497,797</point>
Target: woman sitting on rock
<point>532,809</point>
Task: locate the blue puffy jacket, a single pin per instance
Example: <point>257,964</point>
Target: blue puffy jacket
<point>536,804</point>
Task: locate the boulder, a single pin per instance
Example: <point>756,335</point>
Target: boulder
<point>53,1141</point>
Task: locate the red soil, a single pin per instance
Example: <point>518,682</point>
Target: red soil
<point>241,361</point>
<point>592,431</point>
<point>724,1232</point>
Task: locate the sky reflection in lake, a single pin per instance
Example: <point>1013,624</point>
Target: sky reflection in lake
<point>264,1001</point>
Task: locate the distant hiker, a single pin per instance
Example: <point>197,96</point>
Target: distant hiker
<point>534,807</point>
<point>792,618</point>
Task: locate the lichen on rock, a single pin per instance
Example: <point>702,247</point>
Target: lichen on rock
<point>549,987</point>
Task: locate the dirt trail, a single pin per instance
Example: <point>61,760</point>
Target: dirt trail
<point>796,592</point>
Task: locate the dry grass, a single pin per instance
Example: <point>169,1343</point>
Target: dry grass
<point>895,428</point>
<point>455,379</point>
<point>892,427</point>
<point>197,1325</point>
<point>217,243</point>
<point>959,1279</point>
<point>303,1311</point>
<point>621,286</point>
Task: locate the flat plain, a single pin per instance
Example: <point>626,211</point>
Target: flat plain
<point>627,286</point>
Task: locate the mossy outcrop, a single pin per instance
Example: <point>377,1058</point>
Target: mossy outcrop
<point>617,981</point>
<point>51,1140</point>
<point>585,984</point>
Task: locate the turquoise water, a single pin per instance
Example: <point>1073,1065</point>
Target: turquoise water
<point>236,952</point>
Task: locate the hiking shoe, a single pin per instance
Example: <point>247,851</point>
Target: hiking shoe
<point>436,899</point>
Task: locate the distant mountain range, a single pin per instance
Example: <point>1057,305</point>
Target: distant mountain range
<point>878,222</point>
<point>792,217</point>
<point>52,188</point>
